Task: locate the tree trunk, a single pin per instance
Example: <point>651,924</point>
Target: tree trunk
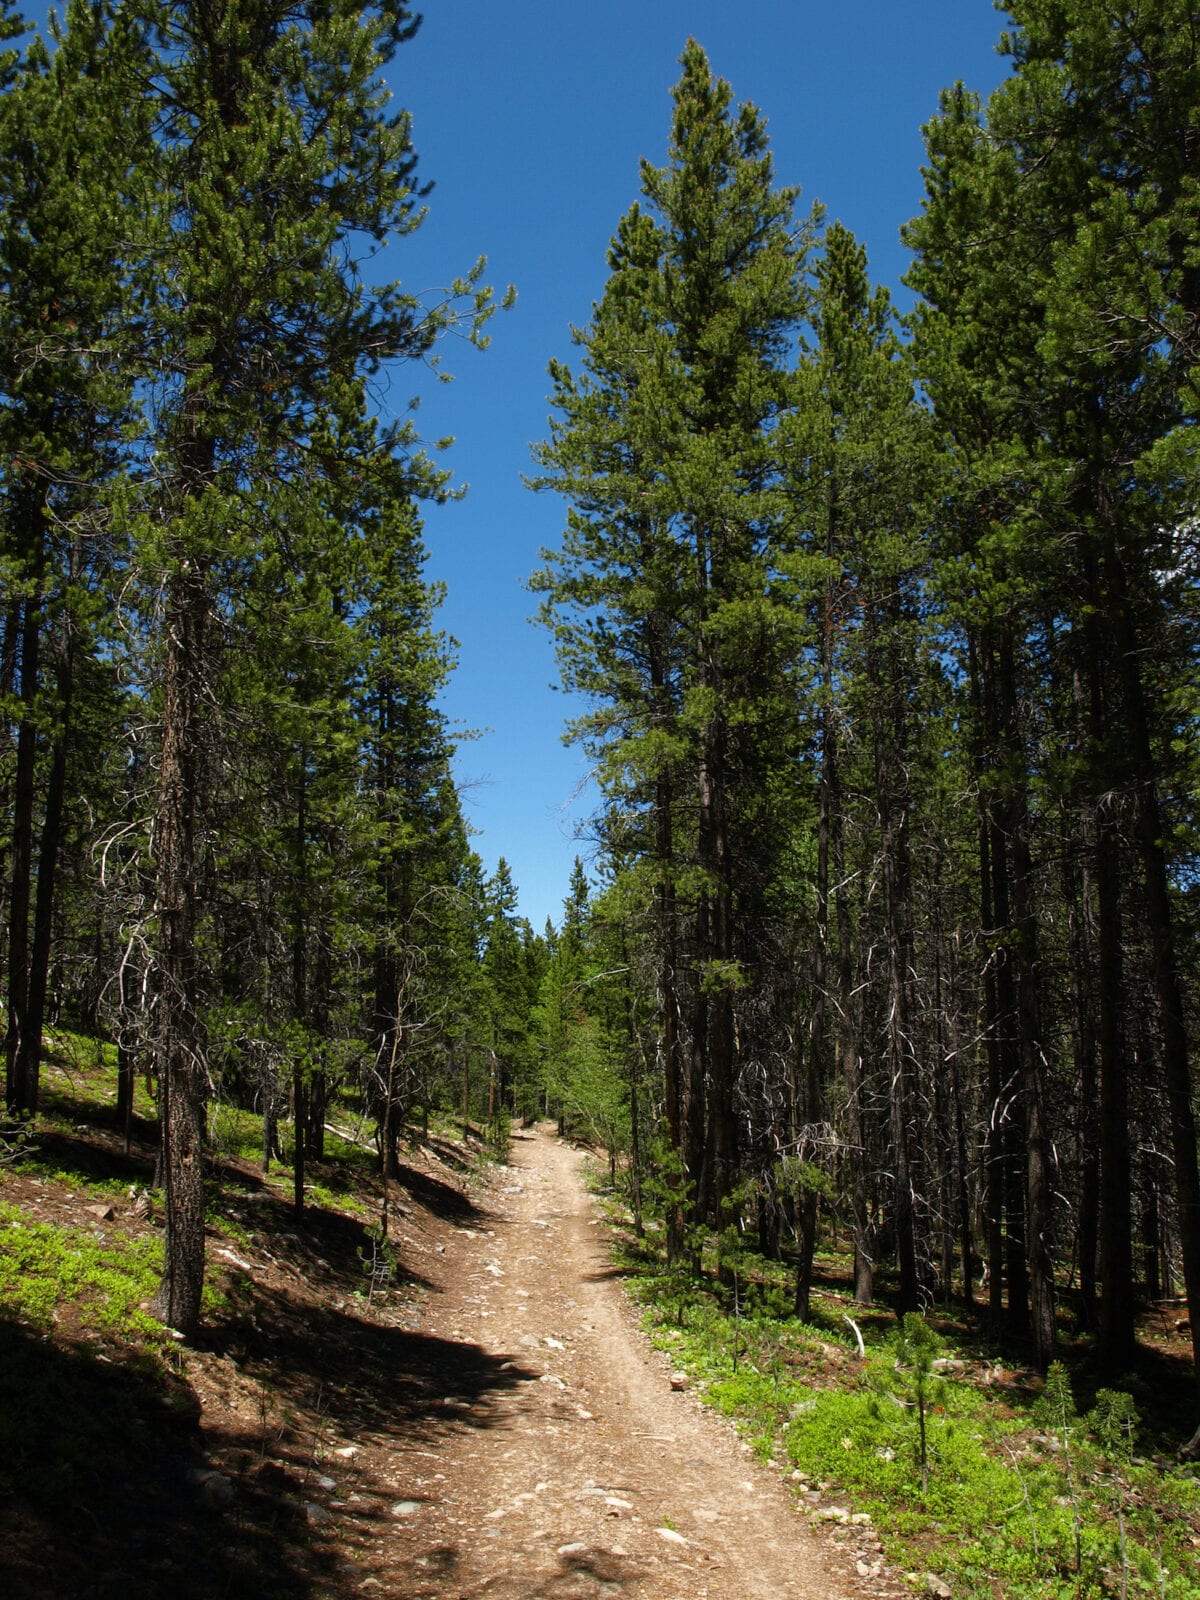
<point>892,798</point>
<point>181,1070</point>
<point>21,852</point>
<point>991,1025</point>
<point>1078,897</point>
<point>1160,924</point>
<point>1038,1197</point>
<point>29,1044</point>
<point>125,1085</point>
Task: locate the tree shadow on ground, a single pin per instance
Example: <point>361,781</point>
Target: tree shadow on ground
<point>356,1375</point>
<point>110,1487</point>
<point>454,1155</point>
<point>605,1274</point>
<point>320,1246</point>
<point>586,1571</point>
<point>440,1198</point>
<point>90,1161</point>
<point>103,1492</point>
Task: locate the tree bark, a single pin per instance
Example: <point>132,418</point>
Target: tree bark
<point>181,1069</point>
<point>20,900</point>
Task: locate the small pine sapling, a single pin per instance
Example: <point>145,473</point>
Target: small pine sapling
<point>916,1346</point>
<point>733,1254</point>
<point>1113,1420</point>
<point>1056,1410</point>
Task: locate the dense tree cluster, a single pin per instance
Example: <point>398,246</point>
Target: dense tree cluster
<point>229,834</point>
<point>888,631</point>
<point>885,629</point>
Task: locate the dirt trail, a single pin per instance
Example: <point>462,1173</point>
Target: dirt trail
<point>589,1475</point>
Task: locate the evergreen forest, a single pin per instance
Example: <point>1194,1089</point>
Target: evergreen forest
<point>884,938</point>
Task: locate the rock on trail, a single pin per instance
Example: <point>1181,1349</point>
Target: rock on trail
<point>591,1474</point>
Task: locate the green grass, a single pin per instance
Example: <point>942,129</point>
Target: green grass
<point>43,1265</point>
<point>1007,1481</point>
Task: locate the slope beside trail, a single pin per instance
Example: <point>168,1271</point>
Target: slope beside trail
<point>588,1474</point>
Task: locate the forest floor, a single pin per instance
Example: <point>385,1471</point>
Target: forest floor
<point>492,1423</point>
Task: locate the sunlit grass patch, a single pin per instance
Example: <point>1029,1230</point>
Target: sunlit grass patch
<point>105,1280</point>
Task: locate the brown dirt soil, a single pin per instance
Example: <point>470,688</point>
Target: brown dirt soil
<point>496,1425</point>
<point>591,1475</point>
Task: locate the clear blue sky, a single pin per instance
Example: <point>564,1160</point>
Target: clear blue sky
<point>530,119</point>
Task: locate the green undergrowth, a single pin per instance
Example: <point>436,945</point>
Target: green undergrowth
<point>65,1270</point>
<point>1027,1496</point>
<point>105,1281</point>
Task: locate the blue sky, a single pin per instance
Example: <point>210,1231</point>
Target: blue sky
<point>530,119</point>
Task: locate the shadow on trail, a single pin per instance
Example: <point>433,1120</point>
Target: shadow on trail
<point>440,1197</point>
<point>358,1376</point>
<point>103,1488</point>
<point>426,1577</point>
<point>322,1246</point>
<point>107,1485</point>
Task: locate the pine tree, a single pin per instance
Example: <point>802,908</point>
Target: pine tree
<point>662,598</point>
<point>861,472</point>
<point>274,161</point>
<point>1056,346</point>
<point>65,347</point>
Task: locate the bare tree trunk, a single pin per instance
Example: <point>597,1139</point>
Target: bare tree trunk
<point>29,1044</point>
<point>980,661</point>
<point>1164,964</point>
<point>181,1069</point>
<point>21,853</point>
<point>891,789</point>
<point>1077,893</point>
<point>1038,1196</point>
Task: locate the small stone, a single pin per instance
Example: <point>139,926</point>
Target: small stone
<point>216,1490</point>
<point>316,1516</point>
<point>680,1380</point>
<point>326,1483</point>
<point>347,1452</point>
<point>406,1508</point>
<point>670,1536</point>
<point>831,1514</point>
<point>574,1549</point>
<point>105,1213</point>
<point>937,1587</point>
